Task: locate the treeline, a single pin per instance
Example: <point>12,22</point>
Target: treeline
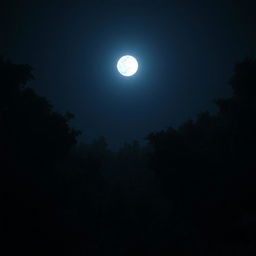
<point>189,190</point>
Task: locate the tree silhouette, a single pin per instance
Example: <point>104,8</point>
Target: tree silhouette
<point>207,166</point>
<point>33,138</point>
<point>189,190</point>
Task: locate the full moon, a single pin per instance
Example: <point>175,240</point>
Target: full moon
<point>127,65</point>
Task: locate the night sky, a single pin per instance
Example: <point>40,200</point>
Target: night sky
<point>186,52</point>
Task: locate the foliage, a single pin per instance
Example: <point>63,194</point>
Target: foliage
<point>189,190</point>
<point>210,162</point>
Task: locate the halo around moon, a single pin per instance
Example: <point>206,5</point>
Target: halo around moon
<point>127,65</point>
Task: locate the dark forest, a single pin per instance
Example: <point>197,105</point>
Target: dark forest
<point>186,191</point>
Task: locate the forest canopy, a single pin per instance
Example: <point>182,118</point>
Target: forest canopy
<point>188,190</point>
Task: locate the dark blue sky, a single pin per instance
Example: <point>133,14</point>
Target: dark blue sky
<point>186,52</point>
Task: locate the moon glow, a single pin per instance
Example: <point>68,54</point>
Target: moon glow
<point>127,65</point>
